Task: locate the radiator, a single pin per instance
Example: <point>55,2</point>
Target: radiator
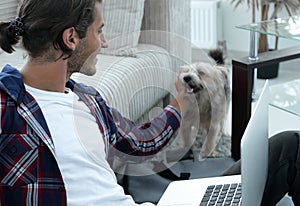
<point>206,25</point>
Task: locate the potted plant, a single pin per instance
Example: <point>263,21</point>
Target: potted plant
<point>269,10</point>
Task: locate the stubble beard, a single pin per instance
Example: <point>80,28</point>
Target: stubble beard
<point>80,61</point>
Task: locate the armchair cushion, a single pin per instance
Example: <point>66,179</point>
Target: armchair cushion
<point>123,30</point>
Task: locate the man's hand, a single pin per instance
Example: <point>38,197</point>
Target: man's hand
<point>178,82</point>
<point>184,101</point>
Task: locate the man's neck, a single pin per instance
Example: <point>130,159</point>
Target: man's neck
<point>48,76</point>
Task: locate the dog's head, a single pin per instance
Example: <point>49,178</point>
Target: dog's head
<point>203,76</point>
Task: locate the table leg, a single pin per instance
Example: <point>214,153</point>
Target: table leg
<point>242,87</point>
<point>253,56</point>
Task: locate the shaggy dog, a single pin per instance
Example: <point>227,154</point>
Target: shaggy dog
<point>211,87</point>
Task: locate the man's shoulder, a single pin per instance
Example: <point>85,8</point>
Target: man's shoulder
<point>11,72</point>
<point>10,81</point>
<point>82,88</point>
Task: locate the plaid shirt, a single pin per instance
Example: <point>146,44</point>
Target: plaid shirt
<point>29,173</point>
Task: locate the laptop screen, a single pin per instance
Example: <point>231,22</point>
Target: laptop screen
<point>254,151</point>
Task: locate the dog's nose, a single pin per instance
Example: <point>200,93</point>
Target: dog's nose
<point>187,78</point>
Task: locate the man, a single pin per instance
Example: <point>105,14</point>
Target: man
<point>57,136</point>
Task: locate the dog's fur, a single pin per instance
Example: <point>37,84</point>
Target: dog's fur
<point>211,86</point>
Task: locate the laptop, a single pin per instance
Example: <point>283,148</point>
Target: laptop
<point>245,189</point>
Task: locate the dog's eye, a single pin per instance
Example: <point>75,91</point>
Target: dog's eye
<point>201,73</point>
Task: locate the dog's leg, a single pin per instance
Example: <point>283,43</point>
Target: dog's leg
<point>211,141</point>
<point>186,131</point>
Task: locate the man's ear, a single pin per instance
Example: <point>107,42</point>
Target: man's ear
<point>70,38</point>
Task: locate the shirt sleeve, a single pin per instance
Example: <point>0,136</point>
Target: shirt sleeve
<point>147,139</point>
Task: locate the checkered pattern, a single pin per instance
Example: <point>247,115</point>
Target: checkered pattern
<point>29,173</point>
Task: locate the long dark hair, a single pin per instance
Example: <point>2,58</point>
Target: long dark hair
<point>43,23</point>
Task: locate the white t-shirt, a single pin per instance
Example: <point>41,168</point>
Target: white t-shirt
<point>79,151</point>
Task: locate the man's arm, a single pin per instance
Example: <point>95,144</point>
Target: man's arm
<point>150,137</point>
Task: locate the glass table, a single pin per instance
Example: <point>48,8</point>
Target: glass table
<point>286,96</point>
<point>244,70</point>
<point>284,109</point>
<point>282,27</point>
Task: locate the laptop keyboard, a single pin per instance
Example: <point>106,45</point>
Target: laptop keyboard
<point>221,195</point>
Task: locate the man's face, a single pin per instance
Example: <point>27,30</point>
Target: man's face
<point>84,57</point>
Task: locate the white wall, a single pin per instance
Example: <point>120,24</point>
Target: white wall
<point>237,39</point>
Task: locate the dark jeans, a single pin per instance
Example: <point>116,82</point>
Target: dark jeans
<point>284,168</point>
